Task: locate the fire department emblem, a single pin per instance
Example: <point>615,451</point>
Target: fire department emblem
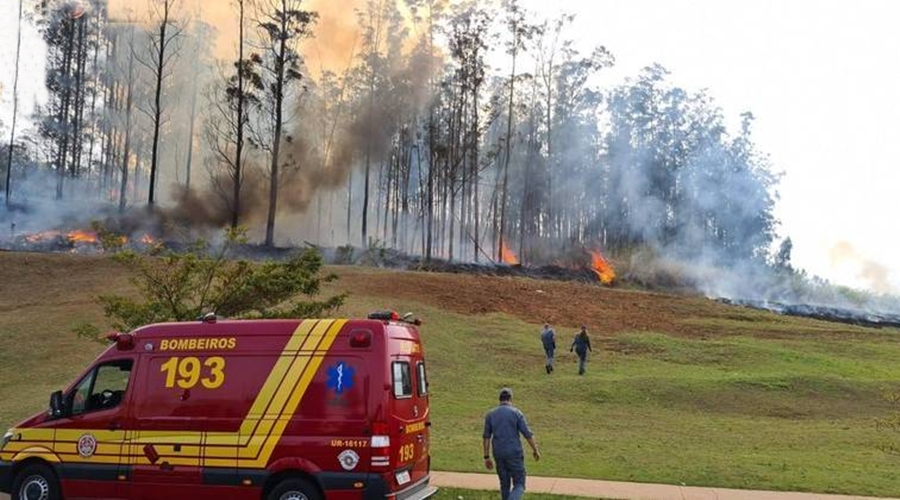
<point>87,445</point>
<point>349,459</point>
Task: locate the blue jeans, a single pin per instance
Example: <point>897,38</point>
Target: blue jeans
<point>549,354</point>
<point>582,359</point>
<point>512,473</point>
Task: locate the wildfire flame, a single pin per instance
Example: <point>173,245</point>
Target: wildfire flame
<point>73,237</point>
<point>507,256</point>
<point>82,237</point>
<point>42,236</point>
<point>601,267</point>
<point>148,240</point>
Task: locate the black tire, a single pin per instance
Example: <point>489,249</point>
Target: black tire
<point>294,489</point>
<point>35,482</point>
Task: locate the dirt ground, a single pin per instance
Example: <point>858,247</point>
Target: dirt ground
<point>606,310</point>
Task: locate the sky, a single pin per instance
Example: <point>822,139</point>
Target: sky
<point>821,77</point>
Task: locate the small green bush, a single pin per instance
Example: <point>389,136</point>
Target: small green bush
<point>185,285</point>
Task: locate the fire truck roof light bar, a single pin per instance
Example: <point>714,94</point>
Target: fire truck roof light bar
<point>394,316</point>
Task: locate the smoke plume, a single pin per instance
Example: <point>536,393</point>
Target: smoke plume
<point>335,40</point>
<point>876,276</point>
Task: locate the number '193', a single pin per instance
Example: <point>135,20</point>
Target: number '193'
<point>189,371</point>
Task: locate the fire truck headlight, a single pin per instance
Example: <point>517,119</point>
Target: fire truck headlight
<point>6,438</point>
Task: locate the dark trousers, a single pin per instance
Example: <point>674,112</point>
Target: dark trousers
<point>512,477</point>
<point>582,360</point>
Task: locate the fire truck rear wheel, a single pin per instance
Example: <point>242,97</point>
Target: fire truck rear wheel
<point>295,489</point>
<point>35,482</point>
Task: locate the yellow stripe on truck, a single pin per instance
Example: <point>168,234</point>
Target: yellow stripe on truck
<point>297,395</point>
<point>36,452</point>
<point>273,382</point>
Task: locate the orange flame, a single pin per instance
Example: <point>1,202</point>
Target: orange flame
<point>82,237</point>
<point>148,240</point>
<point>507,256</point>
<point>601,267</point>
<point>42,236</point>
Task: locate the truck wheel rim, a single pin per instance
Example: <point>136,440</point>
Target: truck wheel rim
<point>35,488</point>
<point>293,495</point>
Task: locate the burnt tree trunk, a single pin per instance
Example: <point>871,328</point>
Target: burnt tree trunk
<point>15,95</point>
<point>508,155</point>
<point>78,115</point>
<point>157,105</point>
<point>238,179</point>
<point>126,150</point>
<point>63,121</point>
<point>276,146</point>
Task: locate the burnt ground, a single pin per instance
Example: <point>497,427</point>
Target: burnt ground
<point>605,310</point>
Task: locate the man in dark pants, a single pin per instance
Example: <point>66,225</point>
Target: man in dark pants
<point>548,339</point>
<point>581,346</point>
<point>502,427</point>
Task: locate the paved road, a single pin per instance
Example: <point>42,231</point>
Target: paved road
<point>621,490</point>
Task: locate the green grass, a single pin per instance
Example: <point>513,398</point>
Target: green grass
<point>724,397</point>
<point>734,411</point>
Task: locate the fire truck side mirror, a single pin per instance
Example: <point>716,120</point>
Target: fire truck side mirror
<point>57,405</point>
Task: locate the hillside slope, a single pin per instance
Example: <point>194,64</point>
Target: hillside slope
<point>680,390</point>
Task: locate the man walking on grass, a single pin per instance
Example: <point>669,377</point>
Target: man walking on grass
<point>548,339</point>
<point>581,346</point>
<point>502,427</point>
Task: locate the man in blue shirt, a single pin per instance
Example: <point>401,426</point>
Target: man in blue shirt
<point>548,339</point>
<point>581,346</point>
<point>502,427</point>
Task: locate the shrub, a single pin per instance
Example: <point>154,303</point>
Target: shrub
<point>183,286</point>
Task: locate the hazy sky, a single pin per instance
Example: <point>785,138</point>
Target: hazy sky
<point>820,76</point>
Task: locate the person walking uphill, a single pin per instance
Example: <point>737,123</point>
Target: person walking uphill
<point>502,427</point>
<point>548,338</point>
<point>581,345</point>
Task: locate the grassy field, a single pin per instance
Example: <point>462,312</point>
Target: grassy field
<point>680,389</point>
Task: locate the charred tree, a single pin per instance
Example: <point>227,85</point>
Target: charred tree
<point>128,110</point>
<point>282,24</point>
<point>163,46</point>
<point>97,89</point>
<point>515,23</point>
<point>373,22</point>
<point>56,126</point>
<point>226,127</point>
<point>15,94</point>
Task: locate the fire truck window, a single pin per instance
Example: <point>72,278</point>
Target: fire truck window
<point>402,380</point>
<point>421,378</point>
<point>82,391</point>
<point>103,388</point>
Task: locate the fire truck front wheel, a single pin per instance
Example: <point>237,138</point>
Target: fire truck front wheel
<point>294,489</point>
<point>35,482</point>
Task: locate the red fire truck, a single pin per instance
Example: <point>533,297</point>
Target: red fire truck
<point>281,409</point>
